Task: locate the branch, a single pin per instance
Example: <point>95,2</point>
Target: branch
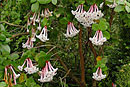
<point>51,49</point>
<point>100,51</point>
<point>66,69</point>
<point>94,53</point>
<point>66,74</point>
<point>11,24</point>
<point>16,35</point>
<point>91,45</point>
<point>44,46</point>
<point>111,18</point>
<point>81,59</point>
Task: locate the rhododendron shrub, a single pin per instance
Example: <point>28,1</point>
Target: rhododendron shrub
<point>64,43</point>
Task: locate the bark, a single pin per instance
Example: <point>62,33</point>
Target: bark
<point>93,51</point>
<point>111,18</point>
<point>81,59</point>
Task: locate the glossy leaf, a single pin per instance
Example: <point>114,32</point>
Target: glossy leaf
<point>54,2</point>
<point>64,20</point>
<point>95,27</point>
<point>2,27</point>
<point>127,8</point>
<point>3,84</point>
<point>13,56</point>
<point>106,34</point>
<point>44,1</point>
<point>35,7</point>
<point>44,22</point>
<point>2,37</point>
<point>119,8</point>
<point>5,49</point>
<point>32,1</point>
<point>103,25</point>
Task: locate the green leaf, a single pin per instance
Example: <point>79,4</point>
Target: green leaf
<point>103,25</point>
<point>120,2</point>
<point>44,1</point>
<point>106,34</point>
<point>95,27</point>
<point>119,8</point>
<point>81,1</point>
<point>127,8</point>
<point>32,1</point>
<point>8,40</point>
<point>28,54</point>
<point>17,85</point>
<point>109,0</point>
<point>5,49</point>
<point>40,55</point>
<point>30,82</point>
<point>3,84</point>
<point>22,77</point>
<point>44,22</point>
<point>2,27</point>
<point>35,7</point>
<point>127,3</point>
<point>2,37</point>
<point>42,60</point>
<point>64,20</point>
<point>13,56</point>
<point>54,2</point>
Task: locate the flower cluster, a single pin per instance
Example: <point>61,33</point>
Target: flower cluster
<point>34,23</point>
<point>112,5</point>
<point>8,76</point>
<point>47,13</point>
<point>71,30</point>
<point>43,35</point>
<point>98,75</point>
<point>98,38</point>
<point>30,69</point>
<point>28,44</point>
<point>109,5</point>
<point>89,17</point>
<point>47,73</point>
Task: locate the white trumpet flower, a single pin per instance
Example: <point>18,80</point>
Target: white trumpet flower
<point>38,18</point>
<point>112,5</point>
<point>39,27</point>
<point>98,75</point>
<point>28,44</point>
<point>47,73</point>
<point>89,17</point>
<point>43,35</point>
<point>30,69</point>
<point>47,13</point>
<point>71,30</point>
<point>98,38</point>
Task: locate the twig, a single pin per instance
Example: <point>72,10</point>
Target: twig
<point>111,18</point>
<point>54,54</point>
<point>81,59</point>
<point>51,49</point>
<point>66,69</point>
<point>44,46</point>
<point>93,51</point>
<point>11,24</point>
<point>100,51</point>
<point>55,62</point>
<point>91,45</point>
<point>16,35</point>
<point>66,74</point>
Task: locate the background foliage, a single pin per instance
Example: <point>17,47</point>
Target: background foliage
<point>116,51</point>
